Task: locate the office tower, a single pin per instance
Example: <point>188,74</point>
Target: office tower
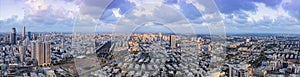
<point>47,53</point>
<point>33,49</point>
<point>23,33</point>
<point>22,53</point>
<point>29,35</point>
<point>5,39</point>
<point>160,36</point>
<point>173,43</point>
<point>33,37</point>
<point>75,34</point>
<point>43,53</point>
<point>39,53</point>
<point>62,43</point>
<point>13,38</point>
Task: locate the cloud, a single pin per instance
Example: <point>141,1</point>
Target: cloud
<point>292,6</point>
<point>153,13</point>
<point>40,16</point>
<point>89,15</point>
<point>116,12</point>
<point>94,8</point>
<point>262,12</point>
<point>265,18</point>
<point>145,10</point>
<point>230,6</point>
<point>189,10</point>
<point>239,16</point>
<point>141,2</point>
<point>5,25</point>
<point>37,5</point>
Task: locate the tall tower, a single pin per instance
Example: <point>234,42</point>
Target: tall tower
<point>43,53</point>
<point>47,53</point>
<point>160,36</point>
<point>33,36</point>
<point>23,33</point>
<point>29,35</point>
<point>13,38</point>
<point>33,49</point>
<point>39,53</point>
<point>22,53</point>
<point>173,43</point>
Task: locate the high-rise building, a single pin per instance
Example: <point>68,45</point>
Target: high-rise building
<point>173,43</point>
<point>47,53</point>
<point>39,53</point>
<point>6,38</point>
<point>13,38</point>
<point>23,33</point>
<point>43,53</point>
<point>22,53</point>
<point>160,35</point>
<point>29,35</point>
<point>33,37</point>
<point>33,49</point>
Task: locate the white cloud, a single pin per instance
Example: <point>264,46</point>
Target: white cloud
<point>208,16</point>
<point>37,5</point>
<point>116,12</point>
<point>199,7</point>
<point>94,8</point>
<point>154,13</point>
<point>136,2</point>
<point>189,1</point>
<point>142,2</point>
<point>176,6</point>
<point>149,24</point>
<point>42,15</point>
<point>146,10</point>
<point>263,12</point>
<point>90,12</point>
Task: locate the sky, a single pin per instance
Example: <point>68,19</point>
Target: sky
<point>247,16</point>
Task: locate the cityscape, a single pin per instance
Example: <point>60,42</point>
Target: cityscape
<point>148,54</point>
<point>149,38</point>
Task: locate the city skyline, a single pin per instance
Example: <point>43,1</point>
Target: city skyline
<point>149,38</point>
<point>277,16</point>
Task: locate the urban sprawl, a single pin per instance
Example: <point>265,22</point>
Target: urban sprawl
<point>55,54</point>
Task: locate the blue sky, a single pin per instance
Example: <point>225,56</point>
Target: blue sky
<point>247,16</point>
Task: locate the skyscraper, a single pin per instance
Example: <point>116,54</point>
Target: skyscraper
<point>33,49</point>
<point>47,53</point>
<point>23,33</point>
<point>22,53</point>
<point>43,53</point>
<point>13,38</point>
<point>160,36</point>
<point>39,53</point>
<point>173,43</point>
<point>33,36</point>
<point>29,35</point>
